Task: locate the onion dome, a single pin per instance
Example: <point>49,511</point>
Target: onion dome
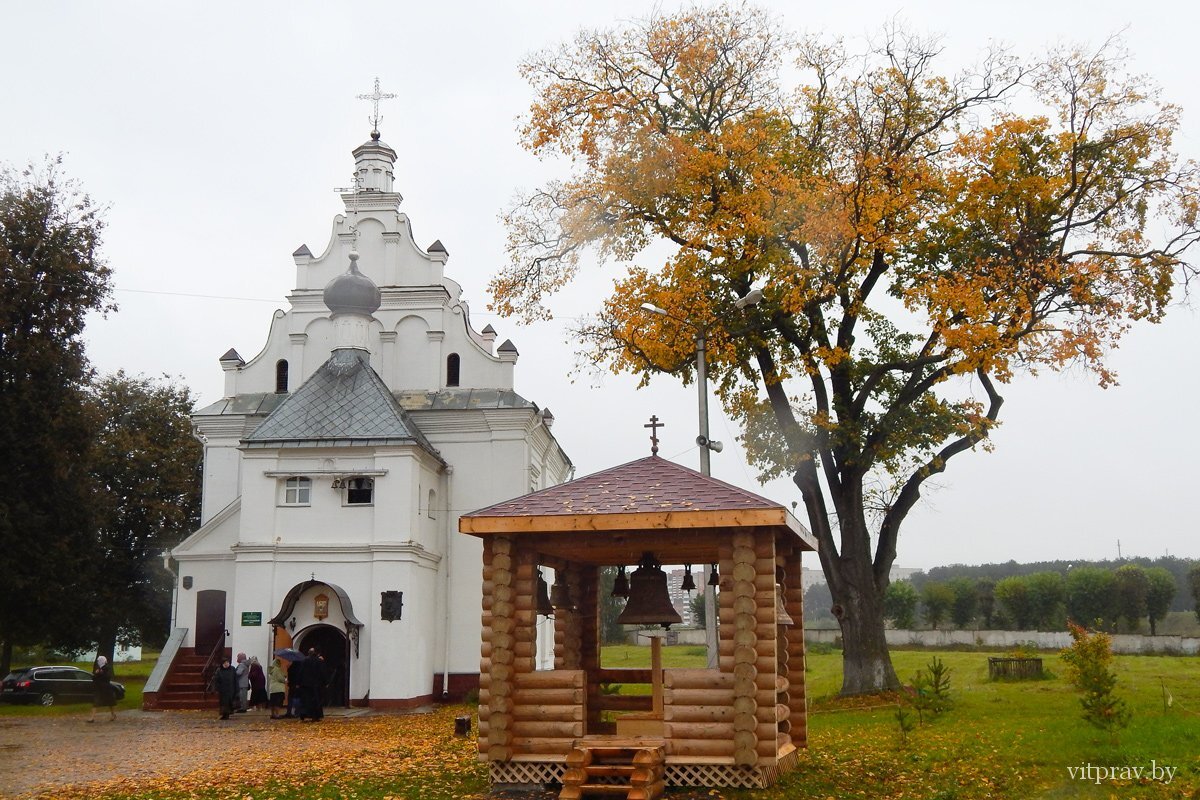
<point>352,292</point>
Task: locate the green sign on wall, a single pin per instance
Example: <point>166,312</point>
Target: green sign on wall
<point>251,618</point>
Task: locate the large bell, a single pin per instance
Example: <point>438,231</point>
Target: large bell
<point>560,595</point>
<point>544,607</point>
<point>649,601</point>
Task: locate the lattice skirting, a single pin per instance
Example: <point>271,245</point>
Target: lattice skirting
<point>526,772</point>
<point>725,776</point>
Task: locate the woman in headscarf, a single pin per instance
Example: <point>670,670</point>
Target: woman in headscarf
<point>102,690</point>
<point>243,683</point>
<point>225,681</point>
<point>258,684</point>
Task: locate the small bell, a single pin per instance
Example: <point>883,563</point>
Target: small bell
<point>560,596</point>
<point>781,615</point>
<point>621,584</point>
<point>649,601</point>
<point>689,583</point>
<point>713,578</point>
<point>544,607</point>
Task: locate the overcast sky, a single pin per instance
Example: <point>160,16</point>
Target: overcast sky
<point>217,132</point>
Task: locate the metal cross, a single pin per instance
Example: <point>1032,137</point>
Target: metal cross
<point>654,425</point>
<point>375,97</point>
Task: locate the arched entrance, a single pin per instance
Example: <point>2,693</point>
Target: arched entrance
<point>334,646</point>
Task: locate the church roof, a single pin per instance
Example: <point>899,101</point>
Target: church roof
<point>344,402</point>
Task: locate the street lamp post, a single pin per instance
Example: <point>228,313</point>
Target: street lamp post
<point>707,445</point>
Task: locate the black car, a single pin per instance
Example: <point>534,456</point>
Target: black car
<point>50,685</point>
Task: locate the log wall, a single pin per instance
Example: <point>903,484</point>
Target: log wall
<point>549,711</point>
<point>797,700</point>
<point>698,713</point>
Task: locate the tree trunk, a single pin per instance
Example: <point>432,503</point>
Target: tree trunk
<point>107,645</point>
<point>866,663</point>
<point>5,657</point>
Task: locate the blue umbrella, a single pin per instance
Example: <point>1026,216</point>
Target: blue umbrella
<point>289,654</point>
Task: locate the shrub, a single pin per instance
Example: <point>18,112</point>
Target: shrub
<point>1089,662</point>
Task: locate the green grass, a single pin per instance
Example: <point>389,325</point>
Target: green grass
<point>1002,739</point>
<point>132,674</point>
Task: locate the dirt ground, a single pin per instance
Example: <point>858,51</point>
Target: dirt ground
<point>40,756</point>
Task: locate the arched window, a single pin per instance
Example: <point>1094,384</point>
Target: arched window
<point>281,376</point>
<point>452,369</point>
<point>432,509</point>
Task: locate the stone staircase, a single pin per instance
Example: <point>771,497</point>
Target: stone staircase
<point>612,766</point>
<point>184,684</point>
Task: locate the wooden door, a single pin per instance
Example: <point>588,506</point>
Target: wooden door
<point>210,620</point>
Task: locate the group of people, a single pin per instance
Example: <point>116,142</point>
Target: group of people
<point>246,686</point>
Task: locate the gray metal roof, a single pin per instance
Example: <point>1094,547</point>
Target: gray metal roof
<point>344,402</point>
<point>257,403</point>
<point>458,399</point>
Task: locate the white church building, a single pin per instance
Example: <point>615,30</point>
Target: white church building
<point>341,456</point>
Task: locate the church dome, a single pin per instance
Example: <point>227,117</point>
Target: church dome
<point>352,292</point>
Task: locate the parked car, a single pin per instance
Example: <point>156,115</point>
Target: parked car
<point>50,685</point>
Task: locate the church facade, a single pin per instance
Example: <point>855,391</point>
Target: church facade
<point>341,456</point>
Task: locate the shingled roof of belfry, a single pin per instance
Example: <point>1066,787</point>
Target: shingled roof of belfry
<point>650,484</point>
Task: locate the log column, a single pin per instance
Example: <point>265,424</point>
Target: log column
<point>744,636</point>
<point>567,625</point>
<point>485,650</point>
<point>766,652</point>
<point>793,594</point>
<point>500,666</point>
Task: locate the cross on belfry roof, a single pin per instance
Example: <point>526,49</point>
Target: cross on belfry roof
<point>654,425</point>
<point>375,97</point>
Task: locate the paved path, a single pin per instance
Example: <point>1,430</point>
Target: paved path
<point>40,756</point>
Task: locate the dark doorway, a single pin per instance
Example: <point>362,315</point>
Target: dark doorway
<point>210,620</point>
<point>335,647</point>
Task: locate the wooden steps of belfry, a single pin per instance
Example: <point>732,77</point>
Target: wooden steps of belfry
<point>610,766</point>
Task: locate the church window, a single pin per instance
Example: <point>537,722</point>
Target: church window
<point>281,376</point>
<point>452,362</point>
<point>432,502</point>
<point>360,491</point>
<point>297,491</point>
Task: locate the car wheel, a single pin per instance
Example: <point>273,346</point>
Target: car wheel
<point>47,698</point>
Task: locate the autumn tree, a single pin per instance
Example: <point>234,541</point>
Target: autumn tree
<point>1047,595</point>
<point>917,240</point>
<point>966,601</point>
<point>900,604</point>
<point>1090,597</point>
<point>985,594</point>
<point>51,276</point>
<point>1130,586</point>
<point>1012,594</point>
<point>937,601</point>
<point>1194,585</point>
<point>146,470</point>
<point>1160,592</point>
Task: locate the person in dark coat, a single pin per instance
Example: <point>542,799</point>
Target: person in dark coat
<point>312,682</point>
<point>293,690</point>
<point>258,684</point>
<point>103,695</point>
<point>226,684</point>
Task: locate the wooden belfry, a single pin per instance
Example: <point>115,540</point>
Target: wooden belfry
<point>737,726</point>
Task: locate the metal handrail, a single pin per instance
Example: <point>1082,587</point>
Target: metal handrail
<point>214,659</point>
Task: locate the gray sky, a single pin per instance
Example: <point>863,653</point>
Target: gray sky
<point>216,133</point>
